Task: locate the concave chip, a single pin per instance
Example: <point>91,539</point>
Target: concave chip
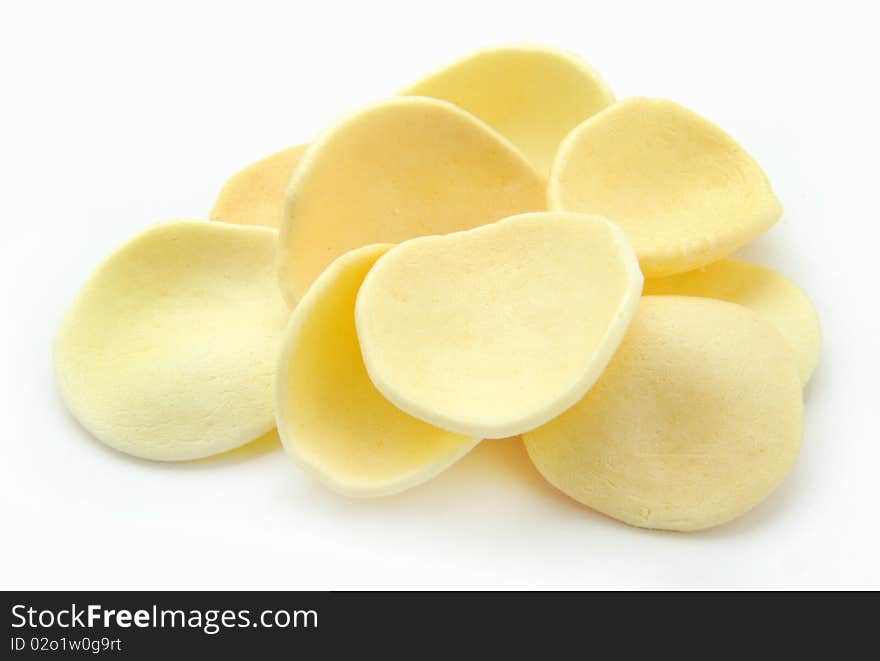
<point>494,331</point>
<point>169,350</point>
<point>331,419</point>
<point>534,95</point>
<point>398,169</point>
<point>684,192</point>
<point>697,418</point>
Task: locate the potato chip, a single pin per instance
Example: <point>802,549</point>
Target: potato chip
<point>770,294</point>
<point>395,170</point>
<point>331,419</point>
<point>534,95</point>
<point>684,192</point>
<point>494,331</point>
<point>169,350</point>
<point>255,195</point>
<point>696,420</point>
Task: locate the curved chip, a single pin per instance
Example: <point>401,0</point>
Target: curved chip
<point>398,169</point>
<point>534,95</point>
<point>696,420</point>
<point>168,351</point>
<point>255,195</point>
<point>496,330</point>
<point>770,294</point>
<point>331,419</point>
<point>685,193</point>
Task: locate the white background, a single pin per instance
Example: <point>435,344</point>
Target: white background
<point>115,117</point>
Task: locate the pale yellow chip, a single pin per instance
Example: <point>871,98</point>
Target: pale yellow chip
<point>494,331</point>
<point>770,294</point>
<point>696,420</point>
<point>534,95</point>
<point>331,419</point>
<point>685,193</point>
<point>255,195</point>
<point>169,350</point>
<point>395,170</point>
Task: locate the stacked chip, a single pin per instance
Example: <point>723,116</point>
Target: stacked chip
<point>501,250</point>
